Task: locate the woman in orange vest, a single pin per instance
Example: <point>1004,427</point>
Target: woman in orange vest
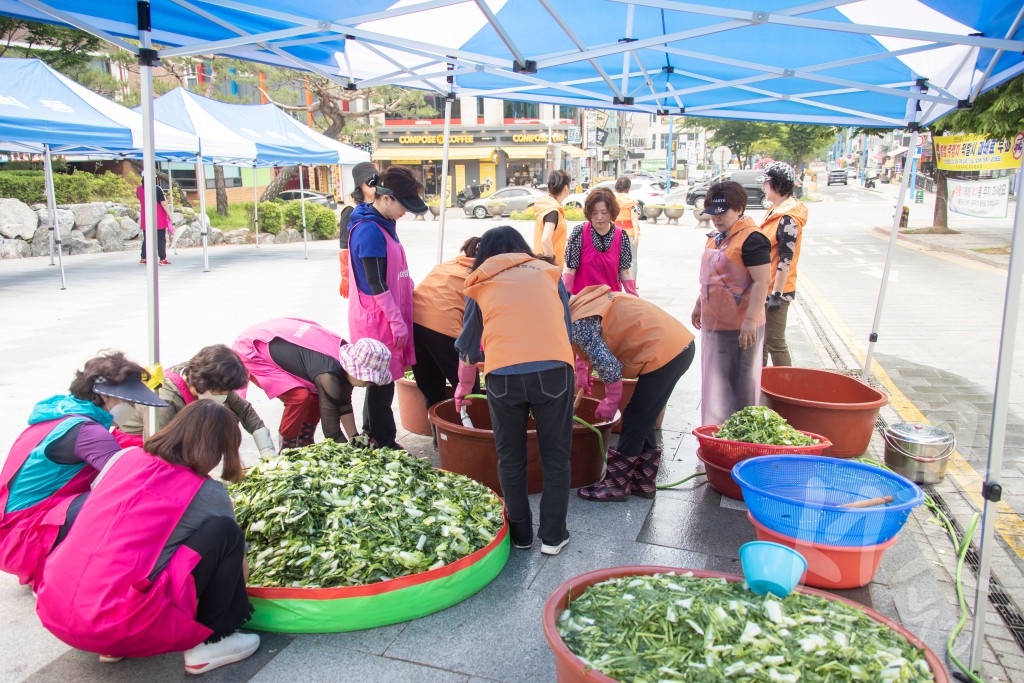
<point>784,228</point>
<point>438,304</point>
<point>517,306</point>
<point>597,252</point>
<point>627,219</point>
<point>734,274</point>
<point>549,230</point>
<point>625,337</point>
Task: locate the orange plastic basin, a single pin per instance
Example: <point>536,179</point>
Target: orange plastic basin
<point>841,408</point>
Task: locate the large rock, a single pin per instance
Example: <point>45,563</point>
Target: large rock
<point>215,236</point>
<point>17,220</point>
<point>240,236</point>
<point>267,238</point>
<point>78,244</point>
<point>14,248</point>
<point>291,235</point>
<point>129,228</point>
<point>41,238</point>
<point>65,219</point>
<point>187,236</point>
<point>108,234</point>
<point>177,218</point>
<point>117,210</point>
<point>88,215</point>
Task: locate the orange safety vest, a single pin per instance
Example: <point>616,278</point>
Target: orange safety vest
<point>642,336</point>
<point>724,299</point>
<point>541,208</point>
<point>438,301</point>
<point>524,320</point>
<point>625,218</point>
<point>797,210</point>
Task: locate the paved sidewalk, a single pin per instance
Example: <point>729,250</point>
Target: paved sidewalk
<point>496,634</point>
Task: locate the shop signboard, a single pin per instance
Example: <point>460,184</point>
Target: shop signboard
<point>573,135</point>
<point>979,198</point>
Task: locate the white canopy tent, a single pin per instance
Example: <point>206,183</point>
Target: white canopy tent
<point>886,63</point>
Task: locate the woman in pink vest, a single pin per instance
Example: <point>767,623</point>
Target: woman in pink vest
<point>598,251</point>
<point>380,288</point>
<point>163,222</point>
<point>312,370</point>
<point>56,458</point>
<point>170,573</point>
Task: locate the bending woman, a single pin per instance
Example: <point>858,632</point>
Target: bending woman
<point>625,337</point>
<point>57,457</point>
<point>518,306</point>
<point>312,370</point>
<point>170,573</point>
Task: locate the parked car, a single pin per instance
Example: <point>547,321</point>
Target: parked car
<point>643,190</point>
<point>517,198</point>
<point>837,176</point>
<point>311,197</point>
<point>745,177</point>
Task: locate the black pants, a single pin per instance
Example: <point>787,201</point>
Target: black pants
<point>223,605</point>
<point>649,398</point>
<point>510,399</point>
<point>378,420</point>
<point>437,363</point>
<point>161,244</point>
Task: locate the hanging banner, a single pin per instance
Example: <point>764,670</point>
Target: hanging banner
<point>979,198</point>
<point>978,153</point>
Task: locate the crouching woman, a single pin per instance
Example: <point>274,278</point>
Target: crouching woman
<point>155,562</point>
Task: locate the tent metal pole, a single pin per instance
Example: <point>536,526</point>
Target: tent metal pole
<point>302,198</point>
<point>147,57</point>
<point>204,229</point>
<point>444,177</point>
<point>890,253</point>
<point>51,206</point>
<point>255,207</point>
<point>996,443</point>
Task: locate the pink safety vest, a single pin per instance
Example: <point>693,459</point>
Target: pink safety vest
<point>253,347</point>
<point>365,317</point>
<point>598,268</point>
<point>97,595</point>
<point>27,535</point>
<point>163,221</point>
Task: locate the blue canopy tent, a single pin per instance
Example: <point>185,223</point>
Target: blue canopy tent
<point>43,112</point>
<point>249,135</point>
<point>885,63</point>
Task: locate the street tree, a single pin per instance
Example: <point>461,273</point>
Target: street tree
<point>67,50</point>
<point>739,136</point>
<point>799,141</point>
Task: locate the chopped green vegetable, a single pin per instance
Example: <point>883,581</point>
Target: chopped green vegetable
<point>640,629</point>
<point>761,425</point>
<point>332,515</point>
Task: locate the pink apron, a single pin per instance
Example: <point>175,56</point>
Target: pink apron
<point>730,376</point>
<point>598,268</point>
<point>365,317</point>
<point>97,595</point>
<point>253,347</point>
<point>27,535</point>
<point>163,221</point>
<point>179,381</point>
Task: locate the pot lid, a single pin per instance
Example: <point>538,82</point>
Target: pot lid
<point>916,433</point>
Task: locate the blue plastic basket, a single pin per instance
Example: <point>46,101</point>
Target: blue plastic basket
<point>799,495</point>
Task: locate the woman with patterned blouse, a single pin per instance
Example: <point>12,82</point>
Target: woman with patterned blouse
<point>784,228</point>
<point>598,251</point>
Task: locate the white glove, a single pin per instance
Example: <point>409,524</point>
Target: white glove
<point>264,443</point>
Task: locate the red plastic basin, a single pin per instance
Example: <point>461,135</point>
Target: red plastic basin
<point>721,479</point>
<point>841,408</point>
<point>830,566</point>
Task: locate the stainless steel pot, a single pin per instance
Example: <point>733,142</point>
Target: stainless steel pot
<point>918,452</point>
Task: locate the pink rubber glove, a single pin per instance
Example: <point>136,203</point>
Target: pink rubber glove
<point>629,286</point>
<point>583,379</point>
<point>610,403</point>
<point>568,279</point>
<point>399,330</point>
<point>467,385</point>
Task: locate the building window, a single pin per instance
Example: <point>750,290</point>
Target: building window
<point>568,112</point>
<point>521,110</point>
<point>480,108</point>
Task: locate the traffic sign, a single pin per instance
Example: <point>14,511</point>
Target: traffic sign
<point>721,155</point>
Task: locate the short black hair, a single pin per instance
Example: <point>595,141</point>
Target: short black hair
<point>216,368</point>
<point>503,239</point>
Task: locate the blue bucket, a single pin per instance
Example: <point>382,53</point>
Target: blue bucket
<point>771,567</point>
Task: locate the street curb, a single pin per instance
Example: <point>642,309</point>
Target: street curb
<point>932,246</point>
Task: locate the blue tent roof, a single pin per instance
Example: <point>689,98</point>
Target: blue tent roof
<point>856,63</point>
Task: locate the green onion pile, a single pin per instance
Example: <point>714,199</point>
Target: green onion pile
<point>667,627</point>
<point>761,425</point>
<point>332,515</point>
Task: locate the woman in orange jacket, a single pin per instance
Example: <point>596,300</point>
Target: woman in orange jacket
<point>549,229</point>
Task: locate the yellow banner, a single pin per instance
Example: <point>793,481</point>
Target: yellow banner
<point>978,153</point>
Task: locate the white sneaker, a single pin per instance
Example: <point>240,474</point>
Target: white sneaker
<point>209,656</point>
<point>554,549</point>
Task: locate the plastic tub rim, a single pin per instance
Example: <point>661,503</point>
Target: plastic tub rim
<point>829,405</point>
<point>917,499</point>
<point>859,549</point>
<point>462,430</point>
<point>823,441</point>
<point>552,610</point>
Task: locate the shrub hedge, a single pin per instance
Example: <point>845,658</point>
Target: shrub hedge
<point>69,188</point>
